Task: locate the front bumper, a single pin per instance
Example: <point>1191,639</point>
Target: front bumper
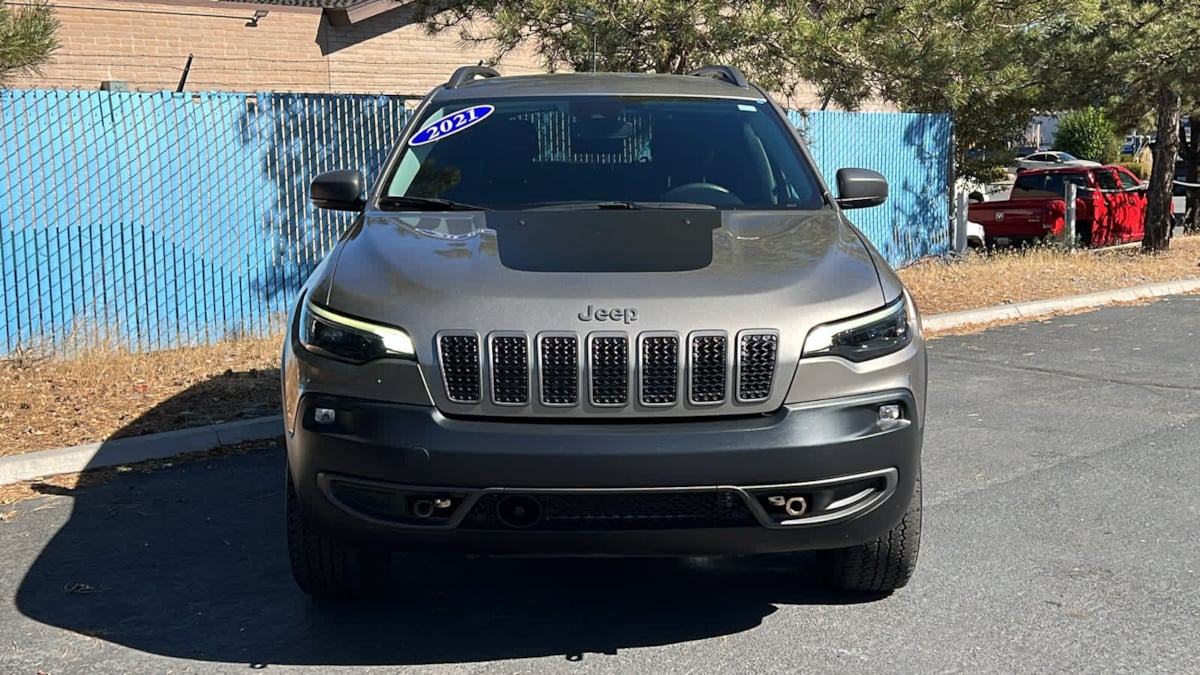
<point>407,477</point>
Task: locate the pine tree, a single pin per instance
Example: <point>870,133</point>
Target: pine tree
<point>27,37</point>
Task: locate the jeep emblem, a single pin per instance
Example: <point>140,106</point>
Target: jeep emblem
<point>626,314</point>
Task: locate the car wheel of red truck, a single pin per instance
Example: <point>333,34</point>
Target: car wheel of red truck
<point>885,564</point>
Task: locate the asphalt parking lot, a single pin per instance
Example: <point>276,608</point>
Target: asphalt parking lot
<point>1061,535</point>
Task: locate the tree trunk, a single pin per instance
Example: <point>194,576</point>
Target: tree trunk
<point>1159,217</point>
<point>1190,149</point>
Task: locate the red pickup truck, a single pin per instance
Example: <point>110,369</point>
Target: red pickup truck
<point>1110,207</point>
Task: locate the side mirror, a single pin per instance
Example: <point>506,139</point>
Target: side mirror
<point>861,188</point>
<point>338,191</point>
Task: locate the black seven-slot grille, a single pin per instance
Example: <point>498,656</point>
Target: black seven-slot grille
<point>608,363</point>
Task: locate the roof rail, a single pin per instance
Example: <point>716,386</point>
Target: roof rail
<point>728,73</point>
<point>466,74</point>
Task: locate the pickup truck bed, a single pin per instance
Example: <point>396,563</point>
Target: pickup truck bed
<point>1019,220</point>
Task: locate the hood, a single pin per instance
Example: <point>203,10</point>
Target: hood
<point>520,270</point>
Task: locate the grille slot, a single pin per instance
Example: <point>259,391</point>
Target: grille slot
<point>559,361</point>
<point>608,361</point>
<point>510,369</point>
<point>659,370</point>
<point>707,370</point>
<point>459,356</point>
<point>757,352</point>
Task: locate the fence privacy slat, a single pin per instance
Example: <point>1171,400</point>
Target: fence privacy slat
<point>158,220</point>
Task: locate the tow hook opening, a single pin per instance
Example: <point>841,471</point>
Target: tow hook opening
<point>422,508</point>
<point>403,506</point>
<point>799,505</point>
<point>430,506</point>
<point>519,511</point>
<point>795,506</point>
<point>780,506</point>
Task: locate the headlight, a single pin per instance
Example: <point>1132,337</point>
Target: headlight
<point>348,339</point>
<point>866,337</point>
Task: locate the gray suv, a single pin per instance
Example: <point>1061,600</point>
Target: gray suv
<point>602,314</point>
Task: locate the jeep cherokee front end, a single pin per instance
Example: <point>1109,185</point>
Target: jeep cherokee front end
<point>602,314</point>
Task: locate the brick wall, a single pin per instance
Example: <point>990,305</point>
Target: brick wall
<point>146,44</point>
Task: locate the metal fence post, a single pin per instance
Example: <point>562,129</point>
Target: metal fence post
<point>1069,222</point>
<point>960,222</point>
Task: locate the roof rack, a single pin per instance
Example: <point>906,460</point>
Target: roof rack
<point>467,74</point>
<point>728,73</point>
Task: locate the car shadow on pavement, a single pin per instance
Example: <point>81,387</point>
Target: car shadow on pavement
<point>189,562</point>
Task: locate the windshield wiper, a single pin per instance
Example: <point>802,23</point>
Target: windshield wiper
<point>618,206</point>
<point>427,204</point>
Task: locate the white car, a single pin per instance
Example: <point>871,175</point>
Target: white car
<point>975,236</point>
<point>978,191</point>
<point>1052,159</point>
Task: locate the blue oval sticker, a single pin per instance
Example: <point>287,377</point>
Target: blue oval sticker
<point>452,124</point>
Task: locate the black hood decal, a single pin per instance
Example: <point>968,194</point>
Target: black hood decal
<point>600,241</point>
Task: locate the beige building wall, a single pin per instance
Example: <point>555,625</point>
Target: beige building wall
<point>146,44</point>
<point>292,49</point>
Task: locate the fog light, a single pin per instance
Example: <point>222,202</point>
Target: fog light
<point>889,413</point>
<point>324,415</point>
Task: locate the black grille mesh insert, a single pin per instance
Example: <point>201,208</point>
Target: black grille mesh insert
<point>610,370</point>
<point>460,367</point>
<point>624,511</point>
<point>756,365</point>
<point>660,369</point>
<point>708,368</point>
<point>658,359</point>
<point>510,370</point>
<point>560,370</point>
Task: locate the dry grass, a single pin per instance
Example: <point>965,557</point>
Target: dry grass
<point>1037,274</point>
<point>103,393</point>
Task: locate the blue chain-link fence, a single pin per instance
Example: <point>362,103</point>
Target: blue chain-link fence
<point>160,220</point>
<point>914,152</point>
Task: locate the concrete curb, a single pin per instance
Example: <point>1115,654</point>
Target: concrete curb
<point>1036,308</point>
<point>199,439</point>
<point>138,449</point>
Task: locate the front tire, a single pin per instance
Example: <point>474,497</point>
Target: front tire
<point>885,564</point>
<point>324,567</point>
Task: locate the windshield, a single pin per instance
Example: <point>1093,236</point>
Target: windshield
<point>528,152</point>
<point>1055,183</point>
